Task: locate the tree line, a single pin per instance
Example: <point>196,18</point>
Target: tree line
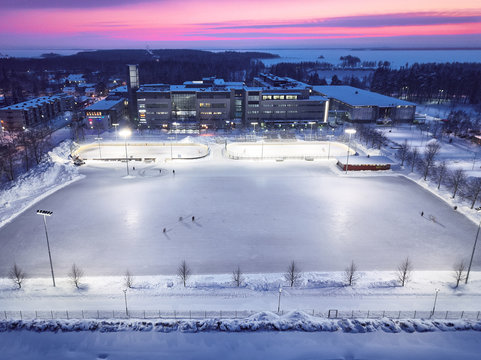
<point>440,82</point>
<point>292,275</point>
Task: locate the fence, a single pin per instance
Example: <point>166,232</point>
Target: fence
<point>232,314</point>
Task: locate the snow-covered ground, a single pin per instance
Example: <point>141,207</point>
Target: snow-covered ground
<point>259,215</point>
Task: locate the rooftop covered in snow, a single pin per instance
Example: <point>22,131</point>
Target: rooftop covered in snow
<point>358,97</point>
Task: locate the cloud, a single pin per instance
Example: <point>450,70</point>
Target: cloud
<point>405,19</point>
<point>68,4</point>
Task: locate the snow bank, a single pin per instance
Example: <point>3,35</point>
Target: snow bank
<point>53,173</point>
<point>263,321</point>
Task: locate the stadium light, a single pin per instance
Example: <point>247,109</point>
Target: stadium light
<point>435,299</point>
<point>254,124</point>
<point>350,132</point>
<point>279,302</point>
<point>311,123</point>
<point>46,213</point>
<point>472,254</point>
<point>125,133</point>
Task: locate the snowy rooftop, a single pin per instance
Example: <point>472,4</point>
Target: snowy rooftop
<point>33,103</point>
<point>358,97</point>
<point>120,89</point>
<point>104,105</point>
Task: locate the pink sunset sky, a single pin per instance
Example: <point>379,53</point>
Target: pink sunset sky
<point>242,24</point>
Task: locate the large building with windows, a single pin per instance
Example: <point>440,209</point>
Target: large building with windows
<point>214,103</point>
<point>34,112</point>
<point>359,105</point>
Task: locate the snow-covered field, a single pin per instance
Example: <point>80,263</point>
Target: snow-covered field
<point>259,215</point>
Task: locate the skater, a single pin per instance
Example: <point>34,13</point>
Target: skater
<point>160,171</point>
<point>173,172</point>
<point>164,230</point>
<point>133,168</point>
<point>181,218</point>
<point>193,218</point>
<point>422,213</point>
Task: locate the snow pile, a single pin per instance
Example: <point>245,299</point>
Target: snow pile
<point>53,173</point>
<point>264,321</point>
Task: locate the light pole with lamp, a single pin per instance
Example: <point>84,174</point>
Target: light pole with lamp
<point>125,133</point>
<point>329,146</point>
<point>125,299</point>
<point>435,299</point>
<point>279,301</point>
<point>46,213</point>
<point>472,254</point>
<point>311,123</point>
<point>350,132</point>
<point>171,150</point>
<point>98,138</point>
<point>115,125</point>
<point>254,124</point>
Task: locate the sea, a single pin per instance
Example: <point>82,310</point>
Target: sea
<point>397,57</point>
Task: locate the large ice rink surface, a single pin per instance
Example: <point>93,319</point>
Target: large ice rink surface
<point>259,215</point>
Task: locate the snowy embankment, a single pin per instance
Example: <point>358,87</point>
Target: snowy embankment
<point>54,172</point>
<point>263,321</point>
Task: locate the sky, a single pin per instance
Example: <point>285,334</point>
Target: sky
<point>238,24</point>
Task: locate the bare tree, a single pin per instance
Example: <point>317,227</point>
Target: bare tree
<point>430,152</point>
<point>403,152</point>
<point>473,189</point>
<point>8,157</point>
<point>17,275</point>
<point>128,280</point>
<point>350,274</point>
<point>76,275</point>
<point>413,158</point>
<point>441,171</point>
<point>292,274</point>
<point>38,140</point>
<point>459,269</point>
<point>183,272</point>
<point>237,277</point>
<point>404,271</point>
<point>457,178</point>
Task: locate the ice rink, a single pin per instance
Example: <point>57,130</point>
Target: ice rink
<point>256,214</point>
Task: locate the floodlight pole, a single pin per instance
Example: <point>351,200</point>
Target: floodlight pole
<point>472,254</point>
<point>279,301</point>
<point>350,132</point>
<point>126,156</point>
<point>125,298</point>
<point>435,299</point>
<point>46,213</point>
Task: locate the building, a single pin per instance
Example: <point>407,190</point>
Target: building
<point>279,101</point>
<point>359,163</point>
<point>215,103</point>
<point>208,103</point>
<point>104,113</point>
<point>359,105</point>
<point>133,83</point>
<point>35,112</point>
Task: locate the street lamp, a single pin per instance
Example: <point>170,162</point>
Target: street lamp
<point>98,138</point>
<point>254,124</point>
<point>115,125</point>
<point>329,146</point>
<point>46,213</point>
<point>435,299</point>
<point>125,298</point>
<point>311,123</point>
<point>472,254</point>
<point>125,133</point>
<point>350,132</point>
<point>279,302</point>
<point>175,124</point>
